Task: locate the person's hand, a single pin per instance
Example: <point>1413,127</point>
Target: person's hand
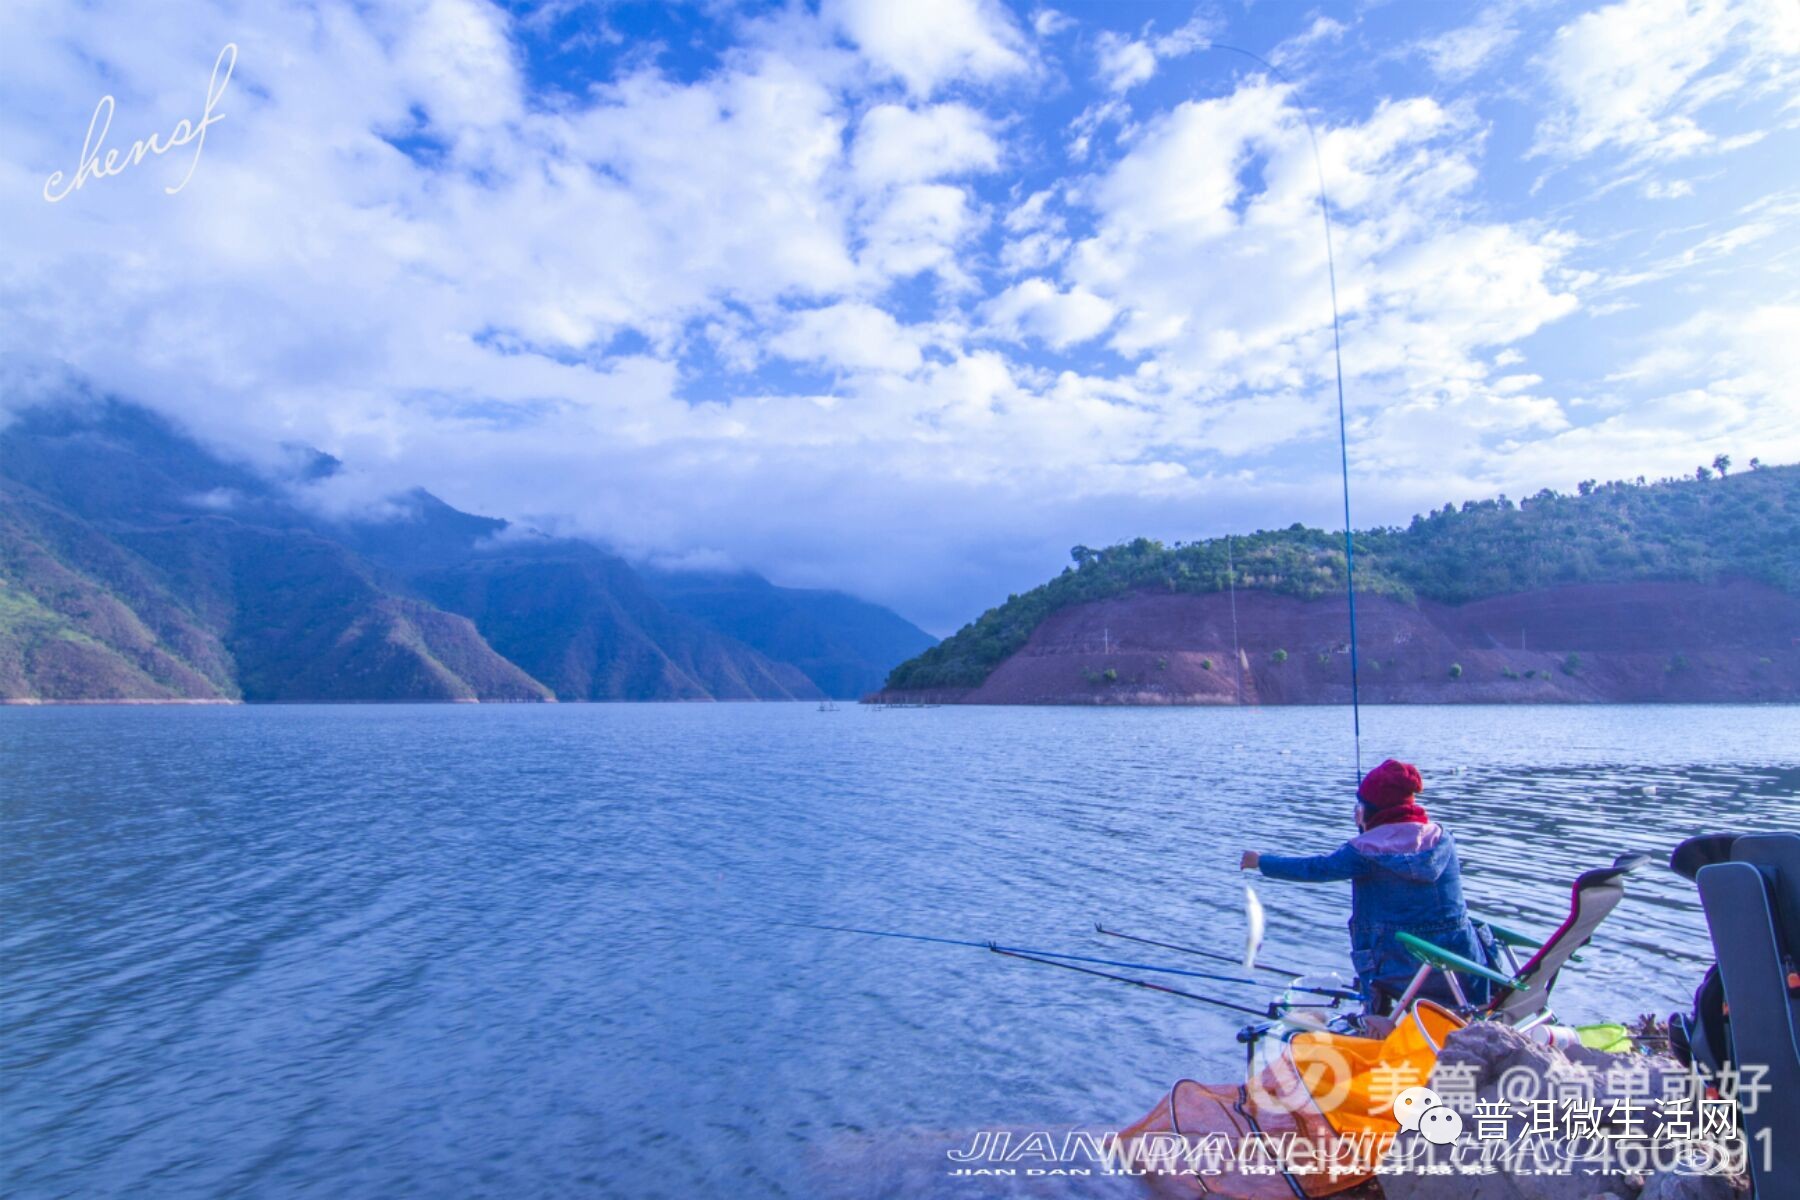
<point>1250,861</point>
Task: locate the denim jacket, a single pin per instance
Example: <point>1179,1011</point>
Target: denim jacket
<point>1403,878</point>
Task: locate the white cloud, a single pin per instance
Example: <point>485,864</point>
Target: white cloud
<point>917,229</point>
<point>1717,383</point>
<point>1038,236</point>
<point>1034,252</point>
<point>1322,29</point>
<point>1750,352</point>
<point>1123,61</point>
<point>1208,242</point>
<point>1720,252</point>
<point>1033,213</point>
<point>461,59</point>
<point>1458,54</point>
<point>929,43</point>
<point>1196,33</point>
<point>1634,75</point>
<point>858,337</point>
<point>1035,308</point>
<point>1090,121</point>
<point>895,144</point>
<point>563,307</point>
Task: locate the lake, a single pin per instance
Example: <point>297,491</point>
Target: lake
<point>538,951</point>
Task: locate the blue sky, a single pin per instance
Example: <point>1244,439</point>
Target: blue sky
<point>908,298</point>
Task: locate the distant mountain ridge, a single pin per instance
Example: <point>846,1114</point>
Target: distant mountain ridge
<point>844,644</point>
<point>136,565</point>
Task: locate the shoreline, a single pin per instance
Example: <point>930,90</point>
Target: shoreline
<point>878,701</point>
<point>945,700</point>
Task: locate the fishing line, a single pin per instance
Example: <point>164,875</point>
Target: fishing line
<point>1337,354</point>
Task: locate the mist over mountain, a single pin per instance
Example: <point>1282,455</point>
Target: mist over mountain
<point>137,565</point>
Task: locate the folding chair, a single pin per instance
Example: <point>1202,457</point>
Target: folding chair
<point>1752,907</point>
<point>1522,999</point>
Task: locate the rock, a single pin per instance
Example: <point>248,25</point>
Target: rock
<point>1668,1186</point>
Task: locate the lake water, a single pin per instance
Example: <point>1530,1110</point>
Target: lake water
<point>534,951</point>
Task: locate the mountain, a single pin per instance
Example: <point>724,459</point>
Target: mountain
<point>1678,590</point>
<point>845,645</point>
<point>582,621</point>
<point>137,565</point>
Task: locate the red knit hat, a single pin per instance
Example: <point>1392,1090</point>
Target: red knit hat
<point>1387,794</point>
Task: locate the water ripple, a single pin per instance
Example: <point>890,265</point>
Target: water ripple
<point>531,951</point>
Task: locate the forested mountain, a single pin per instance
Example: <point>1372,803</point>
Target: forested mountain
<point>137,565</point>
<point>1715,527</point>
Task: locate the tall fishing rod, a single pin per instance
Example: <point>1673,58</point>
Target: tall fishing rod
<point>1337,354</point>
<point>1237,654</point>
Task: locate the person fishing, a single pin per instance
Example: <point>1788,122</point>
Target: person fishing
<point>1404,878</point>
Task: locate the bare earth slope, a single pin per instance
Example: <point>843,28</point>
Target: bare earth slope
<point>1624,642</point>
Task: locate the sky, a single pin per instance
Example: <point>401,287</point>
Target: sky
<point>908,298</point>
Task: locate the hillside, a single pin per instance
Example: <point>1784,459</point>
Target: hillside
<point>137,565</point>
<point>1668,560</point>
<point>582,621</point>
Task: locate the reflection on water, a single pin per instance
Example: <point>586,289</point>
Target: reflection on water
<point>527,951</point>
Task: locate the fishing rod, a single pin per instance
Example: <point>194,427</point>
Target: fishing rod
<point>1143,983</point>
<point>1024,951</point>
<point>1045,955</point>
<point>1337,355</point>
<point>1273,969</point>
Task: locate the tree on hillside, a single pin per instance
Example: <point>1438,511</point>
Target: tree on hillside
<point>1756,464</point>
<point>1081,555</point>
<point>1703,473</point>
<point>1722,464</point>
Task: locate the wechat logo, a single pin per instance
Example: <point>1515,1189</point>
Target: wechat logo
<point>1419,1108</point>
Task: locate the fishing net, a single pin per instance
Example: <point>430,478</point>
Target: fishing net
<point>1314,1114</point>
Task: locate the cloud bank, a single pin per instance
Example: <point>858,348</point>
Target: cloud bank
<point>905,299</point>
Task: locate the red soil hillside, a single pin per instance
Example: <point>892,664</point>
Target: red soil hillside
<point>1626,642</point>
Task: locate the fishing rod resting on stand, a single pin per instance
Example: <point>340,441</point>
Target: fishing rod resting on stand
<point>1068,962</point>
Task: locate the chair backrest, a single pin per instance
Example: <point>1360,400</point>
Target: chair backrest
<point>1595,894</point>
<point>1752,907</point>
<point>1777,856</point>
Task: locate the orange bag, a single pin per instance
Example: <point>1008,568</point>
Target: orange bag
<point>1315,1108</point>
